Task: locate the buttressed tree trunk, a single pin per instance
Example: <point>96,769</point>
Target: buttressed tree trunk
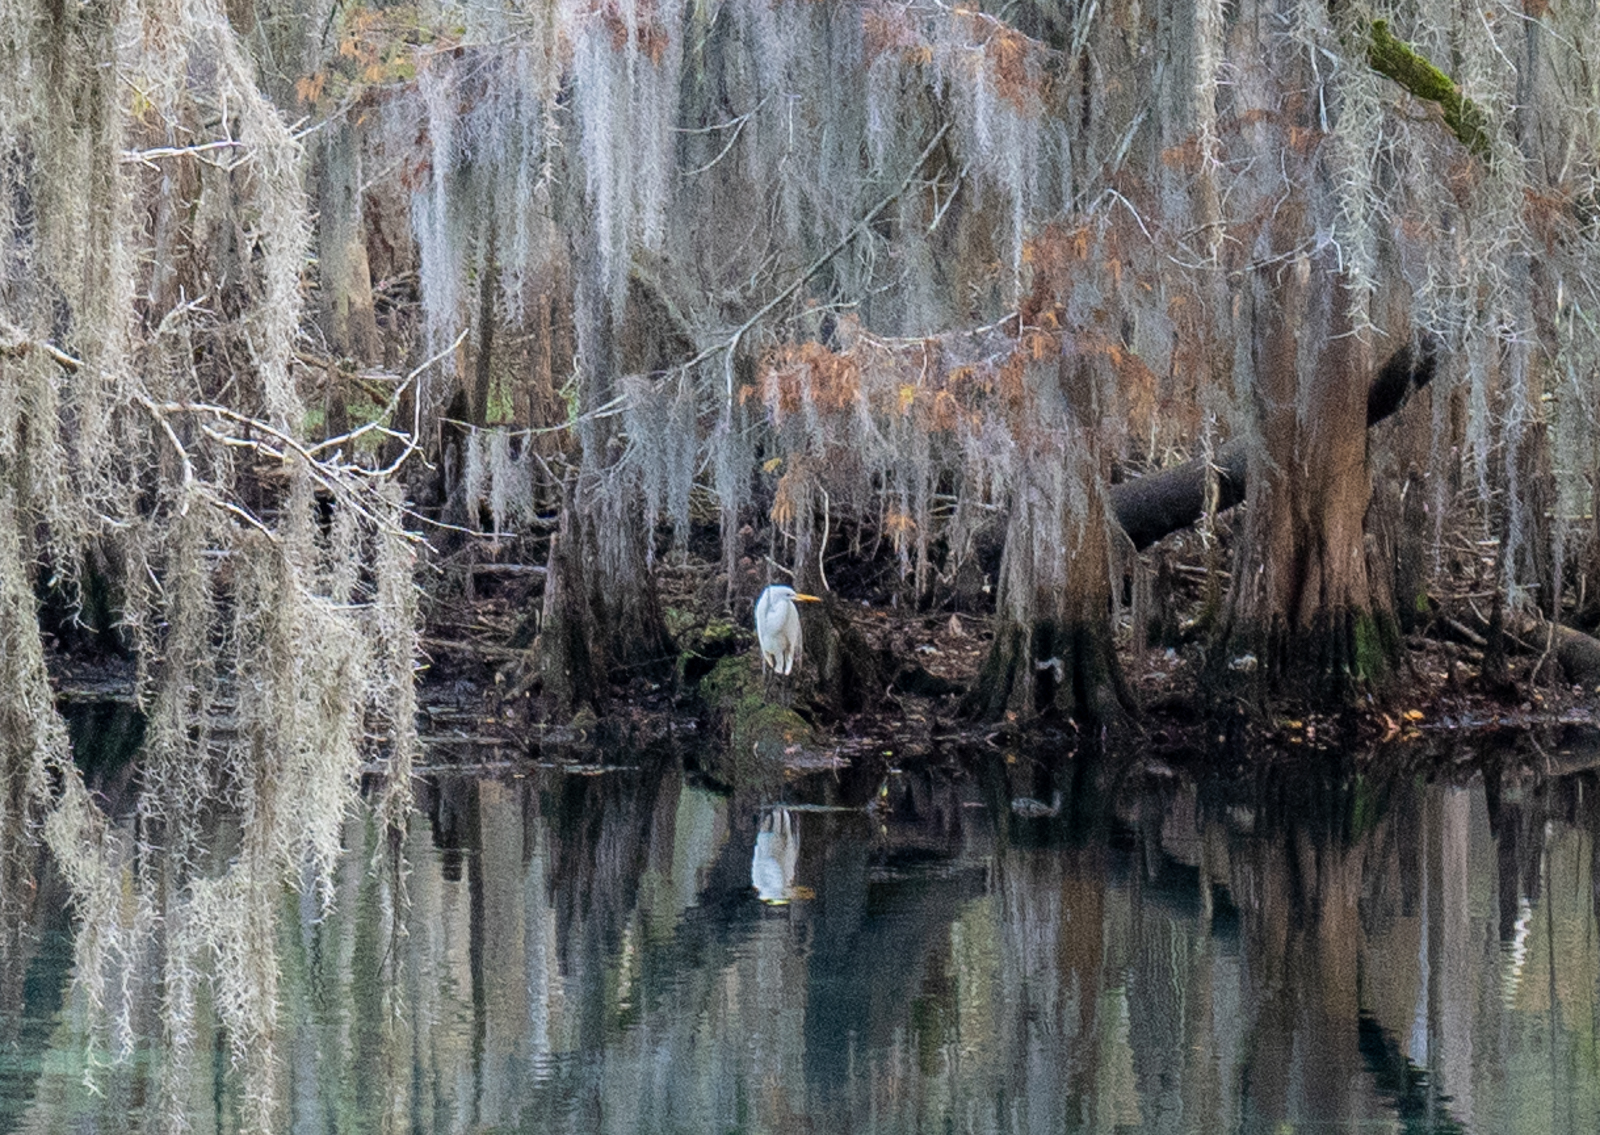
<point>1053,651</point>
<point>612,627</point>
<point>1303,610</point>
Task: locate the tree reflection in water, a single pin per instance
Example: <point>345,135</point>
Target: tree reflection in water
<point>1170,952</point>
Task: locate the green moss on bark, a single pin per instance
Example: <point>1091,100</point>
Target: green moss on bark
<point>1376,643</point>
<point>1342,656</point>
<point>1412,70</point>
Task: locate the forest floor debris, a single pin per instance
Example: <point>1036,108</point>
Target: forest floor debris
<point>475,642</point>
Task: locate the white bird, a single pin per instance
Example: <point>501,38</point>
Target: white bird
<point>778,626</point>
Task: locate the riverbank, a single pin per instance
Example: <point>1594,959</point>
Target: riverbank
<point>479,686</point>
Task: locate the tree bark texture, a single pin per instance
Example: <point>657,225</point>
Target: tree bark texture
<point>1303,605</point>
<point>1053,651</point>
<point>1152,507</point>
<point>345,278</point>
<point>570,666</point>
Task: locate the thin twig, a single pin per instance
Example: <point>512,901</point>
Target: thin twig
<point>822,553</point>
<point>20,345</point>
<point>955,191</point>
<point>183,454</point>
<point>242,513</point>
<point>394,402</point>
<point>731,345</point>
<point>738,125</point>
<point>1549,641</point>
<point>330,477</point>
<point>147,157</point>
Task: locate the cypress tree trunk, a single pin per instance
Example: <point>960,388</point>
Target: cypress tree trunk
<point>1304,613</point>
<point>611,626</point>
<point>344,276</point>
<point>1054,652</point>
<point>569,663</point>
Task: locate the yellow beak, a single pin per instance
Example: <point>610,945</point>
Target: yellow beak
<point>799,598</point>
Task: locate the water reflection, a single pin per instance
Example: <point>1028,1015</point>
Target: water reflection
<point>777,854</point>
<point>640,952</point>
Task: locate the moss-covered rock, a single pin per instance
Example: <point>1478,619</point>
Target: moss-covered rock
<point>701,645</point>
<point>761,734</point>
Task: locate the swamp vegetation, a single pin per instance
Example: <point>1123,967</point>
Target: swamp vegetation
<point>343,344</point>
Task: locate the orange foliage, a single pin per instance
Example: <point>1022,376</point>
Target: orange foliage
<point>785,499</point>
<point>1012,376</point>
<point>308,88</point>
<point>367,42</point>
<point>910,380</point>
<point>1037,344</point>
<point>809,372</point>
<point>1009,53</point>
<point>1056,250</point>
<point>375,46</point>
<point>1135,380</point>
<point>886,28</point>
<point>899,526</point>
<point>647,28</point>
<point>946,411</point>
<point>1055,255</point>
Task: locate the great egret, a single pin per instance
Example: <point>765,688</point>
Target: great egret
<point>778,626</point>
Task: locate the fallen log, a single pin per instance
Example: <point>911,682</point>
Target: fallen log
<point>1158,504</point>
<point>1154,506</point>
<point>1577,653</point>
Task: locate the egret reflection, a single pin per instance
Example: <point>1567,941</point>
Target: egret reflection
<point>1191,954</point>
<point>777,855</point>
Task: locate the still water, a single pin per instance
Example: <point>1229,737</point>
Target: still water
<point>643,950</point>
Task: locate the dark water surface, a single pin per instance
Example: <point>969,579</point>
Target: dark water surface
<point>1262,952</point>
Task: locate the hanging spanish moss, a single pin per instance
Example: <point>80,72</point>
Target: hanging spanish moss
<point>155,242</point>
<point>901,283</point>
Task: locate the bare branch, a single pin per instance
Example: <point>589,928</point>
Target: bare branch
<point>149,157</point>
<point>394,402</point>
<point>731,344</point>
<point>13,344</point>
